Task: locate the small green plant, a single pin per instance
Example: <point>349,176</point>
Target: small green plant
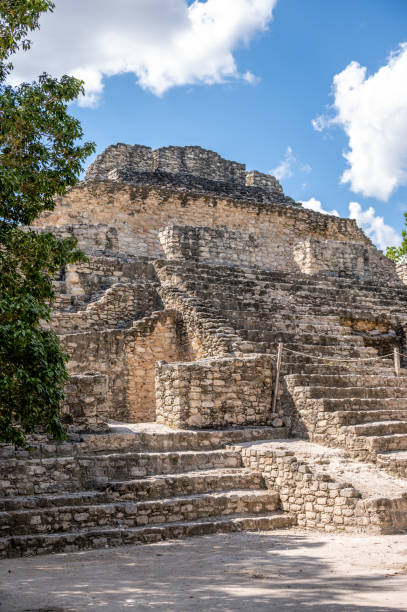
<point>399,254</point>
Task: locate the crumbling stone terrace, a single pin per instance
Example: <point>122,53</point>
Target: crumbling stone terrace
<point>197,271</point>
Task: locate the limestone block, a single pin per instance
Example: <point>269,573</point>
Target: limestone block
<point>212,405</point>
<point>86,403</point>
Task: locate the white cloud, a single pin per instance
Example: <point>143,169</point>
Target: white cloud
<point>316,206</point>
<point>289,163</point>
<point>372,110</point>
<point>164,43</point>
<point>373,225</point>
<point>284,168</point>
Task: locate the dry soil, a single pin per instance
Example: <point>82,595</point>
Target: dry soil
<point>292,570</point>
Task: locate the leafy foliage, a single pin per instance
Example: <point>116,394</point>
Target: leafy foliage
<point>399,254</point>
<point>17,18</point>
<point>40,157</point>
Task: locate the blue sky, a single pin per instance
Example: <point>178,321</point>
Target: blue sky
<point>251,95</point>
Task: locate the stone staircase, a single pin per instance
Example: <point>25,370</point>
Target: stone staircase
<point>323,322</point>
<point>132,486</point>
<point>366,413</point>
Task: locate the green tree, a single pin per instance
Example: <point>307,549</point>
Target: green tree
<point>41,155</point>
<point>399,254</point>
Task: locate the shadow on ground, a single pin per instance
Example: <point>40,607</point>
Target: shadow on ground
<point>247,571</point>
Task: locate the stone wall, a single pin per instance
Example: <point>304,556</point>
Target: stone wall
<point>130,193</point>
<point>92,238</point>
<point>318,494</point>
<point>342,259</point>
<point>119,306</point>
<point>85,282</point>
<point>127,357</point>
<point>215,392</point>
<point>120,155</point>
<point>216,245</point>
<point>139,213</point>
<point>190,160</point>
<point>221,246</point>
<point>85,407</point>
<point>200,162</point>
<point>264,181</point>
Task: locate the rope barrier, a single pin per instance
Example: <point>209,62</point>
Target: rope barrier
<point>395,354</point>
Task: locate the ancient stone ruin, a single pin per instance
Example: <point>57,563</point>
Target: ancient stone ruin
<point>197,271</point>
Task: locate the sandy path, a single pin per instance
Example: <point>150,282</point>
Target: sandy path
<point>290,570</point>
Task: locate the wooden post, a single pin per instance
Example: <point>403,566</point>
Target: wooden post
<point>397,361</point>
<point>278,367</point>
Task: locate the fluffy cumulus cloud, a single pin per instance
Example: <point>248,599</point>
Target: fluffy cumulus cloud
<point>163,43</point>
<point>372,110</point>
<point>373,225</point>
<point>316,206</point>
<point>288,165</point>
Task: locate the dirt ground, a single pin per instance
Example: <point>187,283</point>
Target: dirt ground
<point>292,570</point>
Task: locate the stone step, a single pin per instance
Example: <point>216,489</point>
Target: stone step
<point>349,359</point>
<point>252,335</point>
<point>171,485</point>
<point>44,501</point>
<point>386,442</point>
<point>108,537</point>
<point>270,278</point>
<point>378,428</point>
<point>318,310</point>
<point>265,279</point>
<point>346,404</point>
<point>312,351</point>
<point>153,487</point>
<point>319,328</point>
<point>154,438</point>
<point>257,290</point>
<point>305,287</point>
<point>394,461</point>
<point>130,514</point>
<point>317,392</point>
<point>309,368</point>
<point>348,380</point>
<point>290,327</point>
<point>310,304</point>
<point>281,316</point>
<point>150,437</point>
<point>357,417</point>
<point>232,277</point>
<point>68,474</point>
<point>310,295</point>
<point>327,355</point>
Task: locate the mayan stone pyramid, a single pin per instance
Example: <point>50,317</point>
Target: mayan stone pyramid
<point>236,362</point>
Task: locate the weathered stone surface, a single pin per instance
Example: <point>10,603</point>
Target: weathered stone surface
<point>342,259</point>
<point>85,407</point>
<point>323,488</point>
<point>214,392</point>
<point>197,271</point>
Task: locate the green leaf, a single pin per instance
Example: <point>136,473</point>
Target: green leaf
<point>41,156</point>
